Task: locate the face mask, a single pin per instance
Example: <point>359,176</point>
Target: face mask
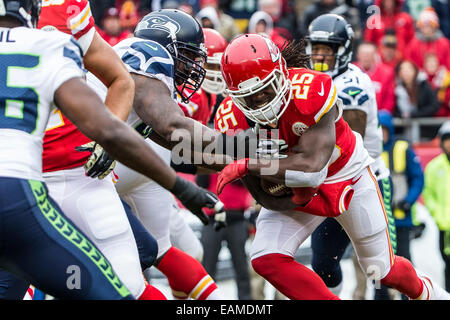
<point>270,113</point>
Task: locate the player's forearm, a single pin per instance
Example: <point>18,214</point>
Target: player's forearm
<point>357,120</point>
<point>293,171</point>
<point>154,104</point>
<point>107,66</point>
<point>118,139</point>
<point>119,98</point>
<point>126,146</point>
<point>187,138</point>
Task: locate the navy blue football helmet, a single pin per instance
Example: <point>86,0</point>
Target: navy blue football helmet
<point>183,37</point>
<point>332,30</point>
<point>26,11</point>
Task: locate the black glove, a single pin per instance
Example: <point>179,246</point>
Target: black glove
<point>100,164</point>
<point>403,205</point>
<point>195,198</point>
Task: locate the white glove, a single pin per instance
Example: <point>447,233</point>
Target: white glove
<point>271,149</point>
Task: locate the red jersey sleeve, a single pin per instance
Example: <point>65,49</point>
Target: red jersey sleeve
<point>229,118</point>
<point>313,94</point>
<point>69,16</point>
<point>199,106</point>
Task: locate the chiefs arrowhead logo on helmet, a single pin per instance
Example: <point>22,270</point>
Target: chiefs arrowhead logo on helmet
<point>273,49</point>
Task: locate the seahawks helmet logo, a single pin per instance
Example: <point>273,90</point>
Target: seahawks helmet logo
<point>162,22</point>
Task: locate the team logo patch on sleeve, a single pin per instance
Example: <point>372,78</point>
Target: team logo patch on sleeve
<point>299,128</point>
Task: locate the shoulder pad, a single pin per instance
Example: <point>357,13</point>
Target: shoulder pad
<point>313,92</point>
<point>353,96</point>
<point>148,57</point>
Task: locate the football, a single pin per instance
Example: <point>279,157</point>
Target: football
<point>275,189</point>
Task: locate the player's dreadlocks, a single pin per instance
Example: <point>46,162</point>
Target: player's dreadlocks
<point>294,53</point>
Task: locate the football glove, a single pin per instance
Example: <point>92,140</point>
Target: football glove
<point>195,198</point>
<point>271,149</point>
<point>99,164</point>
<point>220,217</point>
<point>233,171</point>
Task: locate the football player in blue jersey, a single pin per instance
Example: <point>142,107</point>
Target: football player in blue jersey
<point>329,43</point>
<point>39,243</point>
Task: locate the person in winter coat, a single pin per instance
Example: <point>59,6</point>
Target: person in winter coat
<point>414,95</point>
<point>390,18</point>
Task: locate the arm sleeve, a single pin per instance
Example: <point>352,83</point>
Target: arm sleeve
<point>150,59</point>
<point>81,23</point>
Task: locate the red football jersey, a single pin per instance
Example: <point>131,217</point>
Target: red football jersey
<point>61,137</point>
<point>313,95</point>
<point>69,16</point>
<point>199,107</point>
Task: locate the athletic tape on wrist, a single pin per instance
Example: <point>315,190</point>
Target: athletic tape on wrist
<point>298,179</point>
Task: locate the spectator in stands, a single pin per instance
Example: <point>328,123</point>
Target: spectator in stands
<point>99,8</point>
<point>112,30</point>
<point>240,10</point>
<point>415,7</point>
<point>442,8</point>
<point>236,200</point>
<point>320,7</point>
<point>439,78</point>
<point>261,22</point>
<point>390,18</point>
<point>209,18</point>
<point>218,20</point>
<point>408,181</point>
<point>436,196</point>
<point>381,74</point>
<point>284,21</point>
<point>187,7</point>
<point>365,9</point>
<point>414,95</point>
<point>388,50</point>
<point>129,13</point>
<point>428,40</point>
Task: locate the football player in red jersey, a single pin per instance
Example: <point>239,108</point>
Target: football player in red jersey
<point>201,104</point>
<point>275,90</point>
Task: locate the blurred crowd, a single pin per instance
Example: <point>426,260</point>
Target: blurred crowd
<point>403,45</point>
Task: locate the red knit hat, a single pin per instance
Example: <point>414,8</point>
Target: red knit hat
<point>428,16</point>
